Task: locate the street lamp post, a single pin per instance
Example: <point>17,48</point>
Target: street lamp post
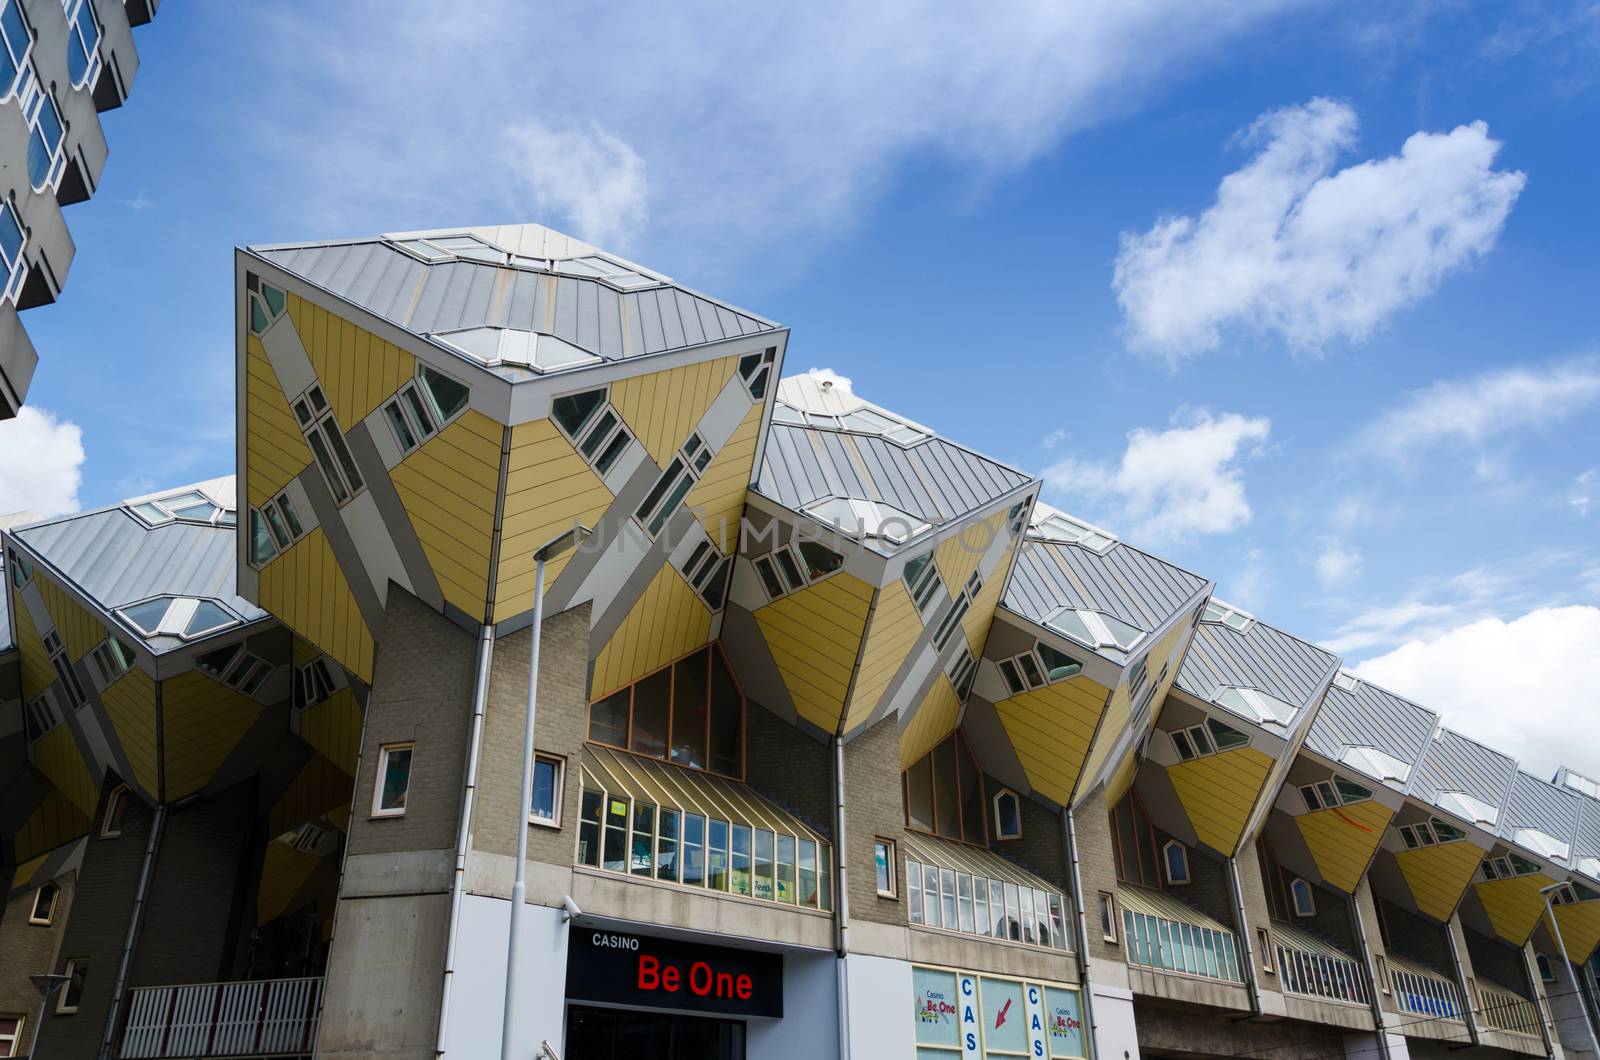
<point>1561,951</point>
<point>46,985</point>
<point>549,550</point>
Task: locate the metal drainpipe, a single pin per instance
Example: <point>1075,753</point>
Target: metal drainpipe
<point>1251,986</point>
<point>1541,1004</point>
<point>480,699</point>
<point>1091,1035</point>
<point>842,898</point>
<point>1468,1000</point>
<point>1373,987</point>
<point>1561,955</point>
<point>156,825</point>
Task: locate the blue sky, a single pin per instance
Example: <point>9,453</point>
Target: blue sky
<point>1361,390</point>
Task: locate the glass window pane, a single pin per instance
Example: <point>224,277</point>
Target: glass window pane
<point>652,699</point>
<point>717,855</point>
<point>947,898</point>
<point>644,824</point>
<point>689,710</point>
<point>769,576</point>
<point>667,846</point>
<point>914,888</point>
<point>608,719</point>
<point>619,443</point>
<point>786,887</point>
<point>788,568</point>
<point>449,396</point>
<point>980,905</point>
<point>694,849</point>
<point>935,1011</point>
<point>997,909</point>
<point>739,876</point>
<point>971,793</point>
<point>764,868</point>
<point>207,617</point>
<point>419,412</point>
<point>947,813</point>
<point>806,873</point>
<point>572,411</point>
<point>346,462</point>
<point>964,893</point>
<point>148,615</point>
<point>930,895</point>
<point>884,871</point>
<point>1013,913</point>
<point>919,794</point>
<point>615,855</point>
<point>1041,917</point>
<point>1027,915</point>
<point>396,778</point>
<point>589,828</point>
<point>544,789</point>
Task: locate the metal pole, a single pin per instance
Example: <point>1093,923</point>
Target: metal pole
<point>1561,951</point>
<point>520,886</point>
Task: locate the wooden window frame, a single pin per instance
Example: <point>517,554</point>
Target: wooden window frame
<point>672,676</point>
<point>933,789</point>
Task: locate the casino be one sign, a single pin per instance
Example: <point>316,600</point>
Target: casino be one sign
<point>617,969</point>
<point>976,1016</point>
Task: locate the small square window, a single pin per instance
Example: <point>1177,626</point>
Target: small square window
<point>76,971</point>
<point>883,864</point>
<point>394,780</point>
<point>44,905</point>
<point>1108,917</point>
<point>545,805</point>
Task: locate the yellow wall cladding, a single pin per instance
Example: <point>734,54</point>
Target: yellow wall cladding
<point>56,755</point>
<point>202,722</point>
<point>130,703</point>
<point>1050,729</point>
<point>663,407</point>
<point>1580,928</point>
<point>548,489</point>
<point>333,727</point>
<point>1219,791</point>
<point>357,369</point>
<point>1439,875</point>
<point>1342,840</point>
<point>719,495</point>
<point>284,870</point>
<point>814,636</point>
<point>932,722</point>
<point>80,630</point>
<point>53,822</point>
<point>1111,728</point>
<point>448,487</point>
<point>25,870</point>
<point>317,790</point>
<point>891,634</point>
<point>667,622</point>
<point>975,625</point>
<point>959,555</point>
<point>1514,906</point>
<point>306,590</point>
<point>37,673</point>
<point>274,449</point>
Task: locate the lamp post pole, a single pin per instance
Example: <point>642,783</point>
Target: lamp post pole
<point>554,547</point>
<point>1561,952</point>
<point>46,985</point>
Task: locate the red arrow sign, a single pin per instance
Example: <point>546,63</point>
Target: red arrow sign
<point>1001,1017</point>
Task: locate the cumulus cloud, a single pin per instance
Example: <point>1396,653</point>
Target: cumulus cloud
<point>828,375</point>
<point>1173,483</point>
<point>1293,249</point>
<point>584,174</point>
<point>1529,686</point>
<point>41,463</point>
<point>1474,411</point>
<point>760,127</point>
<point>1585,492</point>
<point>1337,562</point>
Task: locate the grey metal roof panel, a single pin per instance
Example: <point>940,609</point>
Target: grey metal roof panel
<point>1538,804</point>
<point>1371,716</point>
<point>1587,842</point>
<point>1262,657</point>
<point>1452,762</point>
<point>1127,583</point>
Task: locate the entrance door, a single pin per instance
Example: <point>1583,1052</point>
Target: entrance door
<point>625,1034</point>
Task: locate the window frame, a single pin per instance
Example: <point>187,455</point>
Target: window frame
<point>74,967</point>
<point>756,371</point>
<point>672,487</point>
<point>560,764</point>
<point>1106,904</point>
<point>770,569</point>
<point>922,585</point>
<point>13,1041</point>
<point>384,750</point>
<point>116,807</point>
<point>34,96</point>
<point>890,849</point>
<point>1166,863</point>
<point>34,919</point>
<point>1296,882</point>
<point>15,268</point>
<point>330,449</point>
<point>994,803</point>
<point>91,50</point>
<point>672,670</point>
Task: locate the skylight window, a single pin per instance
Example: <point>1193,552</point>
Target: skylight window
<point>1376,763</point>
<point>1228,615</point>
<point>1467,807</point>
<point>596,266</point>
<point>1345,680</point>
<point>1542,843</point>
<point>1589,867</point>
<point>1579,782</point>
<point>530,349</point>
<point>1095,628</point>
<point>1252,702</point>
<point>190,506</point>
<point>1066,530</point>
<point>864,420</point>
<point>861,518</point>
<point>178,616</point>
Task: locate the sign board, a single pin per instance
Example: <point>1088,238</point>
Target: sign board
<point>617,969</point>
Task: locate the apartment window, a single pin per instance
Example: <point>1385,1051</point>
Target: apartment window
<point>43,912</point>
<point>1302,897</point>
<point>1336,791</point>
<point>313,683</point>
<point>682,472</point>
<point>1007,815</point>
<point>755,370</point>
<point>273,528</point>
<point>1345,681</point>
<point>1431,832</point>
<point>237,667</point>
<point>394,780</point>
<point>83,42</point>
<point>963,668</point>
<point>1108,917</point>
<point>595,429</point>
<point>958,611</point>
<point>545,805</point>
<point>1176,859</point>
<point>116,807</point>
<point>706,570</point>
<point>794,566</point>
<point>944,792</point>
<point>10,1034</point>
<point>1264,943</point>
<point>883,863</point>
<point>1037,667</point>
<point>1213,737</point>
<point>1256,704</point>
<point>1382,973</point>
<point>922,580</point>
<point>1546,973</point>
<point>76,971</point>
<point>111,659</point>
<point>178,616</point>
<point>1066,530</point>
<point>690,712</point>
<point>1095,628</point>
<point>328,445</point>
<point>21,570</point>
<point>1227,615</point>
<point>15,44</point>
<point>40,716</point>
<point>413,417</point>
<point>71,686</point>
<point>13,267</point>
<point>266,303</point>
<point>46,135</point>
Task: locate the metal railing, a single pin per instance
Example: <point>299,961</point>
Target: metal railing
<point>1171,946</point>
<point>1425,995</point>
<point>1507,1011</point>
<point>266,1017</point>
<point>1319,975</point>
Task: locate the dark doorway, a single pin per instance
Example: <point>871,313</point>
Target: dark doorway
<point>605,1033</point>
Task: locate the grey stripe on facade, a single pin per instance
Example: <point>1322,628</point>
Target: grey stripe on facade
<point>424,583</point>
<point>344,550</point>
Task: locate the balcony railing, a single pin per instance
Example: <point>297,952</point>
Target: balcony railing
<point>270,1017</point>
<point>1160,933</point>
<point>1424,993</point>
<point>1315,974</point>
<point>1507,1011</point>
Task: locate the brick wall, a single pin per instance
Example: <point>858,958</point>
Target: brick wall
<point>560,722</point>
<point>792,769</point>
<point>1042,850</point>
<point>872,810</point>
<point>1495,962</point>
<point>30,949</point>
<point>1411,936</point>
<point>1208,889</point>
<point>1097,864</point>
<point>1257,912</point>
<point>1332,920</point>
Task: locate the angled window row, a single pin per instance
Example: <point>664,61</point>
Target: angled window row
<point>267,303</point>
<point>706,570</point>
<point>190,506</point>
<point>111,659</point>
<point>1199,741</point>
<point>963,668</point>
<point>690,712</point>
<point>47,133</point>
<point>16,45</point>
<point>83,42</point>
<point>178,616</point>
<point>237,667</point>
<point>13,266</point>
<point>1177,946</point>
<point>594,428</point>
<point>273,528</point>
<point>70,685</point>
<point>861,421</point>
<point>1572,892</point>
<point>1227,615</point>
<point>313,683</point>
<point>951,622</point>
<point>1254,703</point>
<point>1346,681</point>
<point>1065,530</point>
<point>1095,628</point>
<point>790,568</point>
<point>755,371</point>
<point>21,569</point>
<point>424,406</point>
<point>978,905</point>
<point>1429,833</point>
<point>40,716</point>
<point>944,793</point>
<point>922,581</point>
<point>448,248</point>
<point>1508,866</point>
<point>667,495</point>
<point>1038,666</point>
<point>858,517</point>
<point>1579,782</point>
<point>1336,791</point>
<point>327,443</point>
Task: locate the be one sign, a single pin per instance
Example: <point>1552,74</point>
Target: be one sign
<point>664,973</point>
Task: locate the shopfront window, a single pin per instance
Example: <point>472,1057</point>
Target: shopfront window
<point>690,713</point>
<point>963,1014</point>
<point>976,904</point>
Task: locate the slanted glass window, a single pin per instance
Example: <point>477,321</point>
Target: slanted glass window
<point>449,395</point>
<point>1336,791</point>
<point>706,570</point>
<point>958,611</point>
<point>76,971</point>
<point>690,712</point>
<point>1095,628</point>
<point>15,45</point>
<point>328,446</point>
<point>1038,666</point>
<point>116,807</point>
<point>13,267</point>
<point>944,792</point>
<point>21,570</point>
<point>1007,815</point>
<point>794,566</point>
<point>83,42</point>
<point>46,134</point>
<point>883,864</point>
<point>1227,615</point>
<point>111,659</point>
<point>1212,737</point>
<point>206,618</point>
<point>1302,897</point>
<point>922,579</point>
<point>1176,859</point>
<point>44,905</point>
<point>1256,704</point>
<point>394,780</point>
<point>755,370</point>
<point>667,495</point>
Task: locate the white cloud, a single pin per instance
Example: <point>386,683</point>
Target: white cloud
<point>1294,249</point>
<point>1585,491</point>
<point>1471,412</point>
<point>1337,562</point>
<point>1177,482</point>
<point>1526,687</point>
<point>41,463</point>
<point>828,375</point>
<point>761,127</point>
<point>586,175</point>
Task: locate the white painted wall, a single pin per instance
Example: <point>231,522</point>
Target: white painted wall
<point>881,1008</point>
<point>810,1024</point>
<point>478,993</point>
<point>1115,1037</point>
